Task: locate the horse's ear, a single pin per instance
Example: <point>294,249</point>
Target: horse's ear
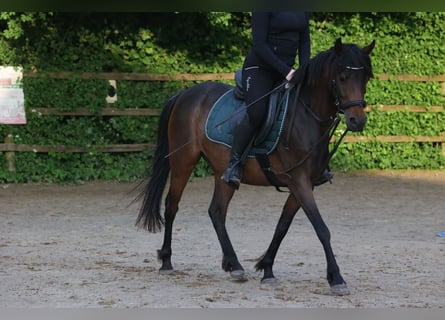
<point>338,46</point>
<point>369,47</point>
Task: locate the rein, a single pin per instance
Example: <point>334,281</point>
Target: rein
<point>331,130</point>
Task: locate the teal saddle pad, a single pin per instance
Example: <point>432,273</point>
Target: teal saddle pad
<point>228,111</point>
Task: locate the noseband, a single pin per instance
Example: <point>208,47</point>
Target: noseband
<point>343,106</point>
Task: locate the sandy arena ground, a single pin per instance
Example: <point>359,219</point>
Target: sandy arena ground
<point>77,246</point>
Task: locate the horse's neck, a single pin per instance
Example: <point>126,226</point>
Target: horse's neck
<point>316,104</point>
<point>321,103</point>
<point>313,117</point>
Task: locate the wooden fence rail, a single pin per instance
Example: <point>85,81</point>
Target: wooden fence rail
<point>112,148</point>
<point>196,77</point>
<point>10,147</point>
<point>156,111</point>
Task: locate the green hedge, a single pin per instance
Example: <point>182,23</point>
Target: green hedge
<point>406,43</point>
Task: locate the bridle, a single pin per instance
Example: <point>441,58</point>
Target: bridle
<point>334,122</point>
<point>343,106</point>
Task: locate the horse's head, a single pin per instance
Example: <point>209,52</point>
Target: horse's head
<point>351,73</point>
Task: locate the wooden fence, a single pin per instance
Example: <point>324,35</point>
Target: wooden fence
<point>10,147</point>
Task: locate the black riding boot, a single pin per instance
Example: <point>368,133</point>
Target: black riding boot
<point>325,177</point>
<point>242,135</point>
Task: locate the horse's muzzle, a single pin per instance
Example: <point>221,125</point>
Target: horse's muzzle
<point>354,125</point>
<point>355,119</point>
<point>355,115</point>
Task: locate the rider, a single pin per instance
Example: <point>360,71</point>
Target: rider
<point>277,38</point>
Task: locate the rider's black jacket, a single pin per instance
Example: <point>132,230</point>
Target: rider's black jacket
<point>277,37</point>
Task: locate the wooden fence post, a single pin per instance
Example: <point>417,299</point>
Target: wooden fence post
<point>443,144</point>
<point>10,155</point>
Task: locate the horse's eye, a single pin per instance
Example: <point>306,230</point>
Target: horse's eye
<point>343,76</point>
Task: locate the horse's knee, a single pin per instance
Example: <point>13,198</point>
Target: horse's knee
<point>218,217</point>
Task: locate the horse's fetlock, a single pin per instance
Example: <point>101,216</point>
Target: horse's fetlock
<point>225,265</point>
<point>162,254</point>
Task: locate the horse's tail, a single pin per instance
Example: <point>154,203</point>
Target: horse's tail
<point>149,217</point>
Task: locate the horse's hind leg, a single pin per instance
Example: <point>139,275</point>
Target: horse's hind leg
<point>180,174</point>
<point>218,212</point>
<point>266,261</point>
<point>165,253</point>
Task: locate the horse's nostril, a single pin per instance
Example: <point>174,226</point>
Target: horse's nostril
<point>352,120</point>
<point>355,124</point>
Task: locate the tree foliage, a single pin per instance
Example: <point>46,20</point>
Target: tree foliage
<point>199,42</point>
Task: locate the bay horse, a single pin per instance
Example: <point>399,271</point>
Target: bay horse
<point>330,84</point>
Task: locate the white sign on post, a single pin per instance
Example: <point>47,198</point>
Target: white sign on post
<point>12,100</point>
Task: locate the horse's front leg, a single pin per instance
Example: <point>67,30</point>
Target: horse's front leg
<point>218,212</point>
<point>304,194</point>
<point>267,260</point>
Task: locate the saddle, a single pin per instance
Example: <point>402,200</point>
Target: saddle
<point>272,111</point>
<point>230,109</point>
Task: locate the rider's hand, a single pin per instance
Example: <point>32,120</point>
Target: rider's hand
<point>290,74</point>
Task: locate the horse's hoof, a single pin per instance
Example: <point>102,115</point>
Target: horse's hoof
<point>340,289</point>
<point>238,275</point>
<point>270,281</point>
<point>166,272</point>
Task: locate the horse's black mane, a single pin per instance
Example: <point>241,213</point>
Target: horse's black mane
<point>313,70</point>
